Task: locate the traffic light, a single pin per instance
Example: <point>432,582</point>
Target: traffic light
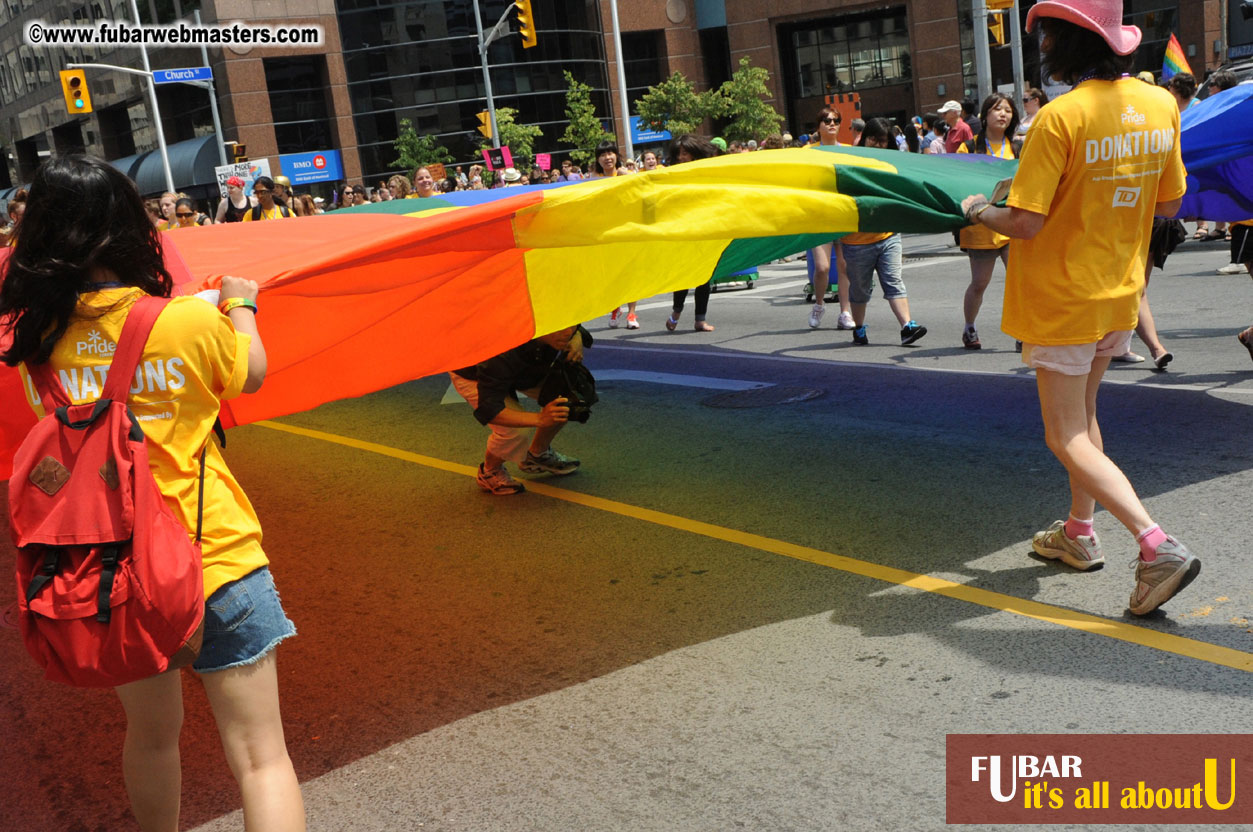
<point>74,88</point>
<point>996,27</point>
<point>485,124</point>
<point>526,23</point>
<point>239,152</point>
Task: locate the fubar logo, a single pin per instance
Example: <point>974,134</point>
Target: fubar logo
<point>1099,778</point>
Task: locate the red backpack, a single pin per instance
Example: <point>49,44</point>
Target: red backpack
<point>110,586</point>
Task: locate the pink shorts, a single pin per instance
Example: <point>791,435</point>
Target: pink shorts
<point>1075,359</point>
<point>505,442</point>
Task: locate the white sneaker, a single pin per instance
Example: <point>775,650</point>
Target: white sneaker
<point>615,317</point>
<point>815,315</point>
<point>845,321</point>
<point>1232,268</point>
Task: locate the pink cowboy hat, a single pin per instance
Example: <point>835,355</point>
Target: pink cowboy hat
<point>1101,16</point>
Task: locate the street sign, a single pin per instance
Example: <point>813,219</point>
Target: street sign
<point>318,166</point>
<point>177,76</point>
<point>644,135</point>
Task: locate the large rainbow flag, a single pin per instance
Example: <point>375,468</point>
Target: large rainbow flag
<point>1174,61</point>
<point>366,298</point>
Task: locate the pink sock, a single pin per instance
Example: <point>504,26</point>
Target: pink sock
<point>1149,540</point>
<point>1076,527</point>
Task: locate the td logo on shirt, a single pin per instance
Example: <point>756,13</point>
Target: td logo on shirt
<point>1126,197</point>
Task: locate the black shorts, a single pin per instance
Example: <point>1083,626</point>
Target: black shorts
<point>1165,238</point>
<point>1241,243</point>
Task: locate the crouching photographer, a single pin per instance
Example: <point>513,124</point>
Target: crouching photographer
<point>548,369</point>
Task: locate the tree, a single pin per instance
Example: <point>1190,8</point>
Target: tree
<point>519,138</point>
<point>414,151</point>
<point>744,104</point>
<point>675,106</point>
<point>585,130</point>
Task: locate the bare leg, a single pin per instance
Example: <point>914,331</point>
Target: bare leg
<point>821,258</point>
<point>245,704</point>
<point>544,436</point>
<point>900,308</point>
<point>150,760</point>
<point>981,269</point>
<point>1145,328</point>
<point>1068,406</point>
<point>841,282</point>
<point>859,313</point>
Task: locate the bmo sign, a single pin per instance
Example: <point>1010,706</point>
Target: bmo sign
<point>318,166</point>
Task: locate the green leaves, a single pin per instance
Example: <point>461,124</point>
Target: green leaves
<point>519,138</point>
<point>584,132</point>
<point>414,151</point>
<point>750,117</point>
<point>675,105</point>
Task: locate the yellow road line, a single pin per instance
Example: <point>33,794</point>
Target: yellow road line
<point>1191,648</point>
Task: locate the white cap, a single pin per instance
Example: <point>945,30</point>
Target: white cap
<point>951,107</point>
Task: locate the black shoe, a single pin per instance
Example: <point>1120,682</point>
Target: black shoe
<point>911,332</point>
<point>859,336</point>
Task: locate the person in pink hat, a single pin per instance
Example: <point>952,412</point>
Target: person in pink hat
<point>236,204</point>
<point>1097,165</point>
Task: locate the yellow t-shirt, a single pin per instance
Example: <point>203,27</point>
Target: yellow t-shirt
<point>865,238</point>
<point>980,236</point>
<point>275,213</point>
<point>193,359</point>
<point>1095,163</point>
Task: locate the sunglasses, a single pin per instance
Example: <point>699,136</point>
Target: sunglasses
<point>184,215</point>
<point>829,120</point>
<point>260,191</point>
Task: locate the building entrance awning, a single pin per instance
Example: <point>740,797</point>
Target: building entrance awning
<point>191,164</point>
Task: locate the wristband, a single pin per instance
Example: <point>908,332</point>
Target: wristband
<point>973,211</point>
<point>237,303</point>
<point>985,207</point>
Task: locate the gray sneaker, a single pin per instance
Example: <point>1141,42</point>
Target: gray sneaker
<point>1082,553</point>
<point>1157,582</point>
<point>498,481</point>
<point>549,462</point>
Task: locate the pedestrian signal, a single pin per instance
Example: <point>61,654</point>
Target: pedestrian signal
<point>526,23</point>
<point>485,124</point>
<point>74,88</point>
<point>996,28</point>
<point>239,152</point>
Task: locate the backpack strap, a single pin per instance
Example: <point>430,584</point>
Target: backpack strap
<point>51,394</point>
<point>130,346</point>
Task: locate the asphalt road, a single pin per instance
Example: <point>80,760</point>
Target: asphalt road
<point>719,622</point>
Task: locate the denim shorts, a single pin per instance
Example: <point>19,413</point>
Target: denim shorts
<point>243,621</point>
<point>861,263</point>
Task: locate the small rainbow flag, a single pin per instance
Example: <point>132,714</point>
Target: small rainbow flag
<point>1174,61</point>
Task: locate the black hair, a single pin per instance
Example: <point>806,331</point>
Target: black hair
<point>968,107</point>
<point>1075,51</point>
<point>263,181</point>
<point>605,147</point>
<point>1182,84</point>
<point>929,120</point>
<point>1224,79</point>
<point>882,129</point>
<point>83,215</point>
<point>981,140</point>
<point>698,147</point>
<point>186,201</point>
